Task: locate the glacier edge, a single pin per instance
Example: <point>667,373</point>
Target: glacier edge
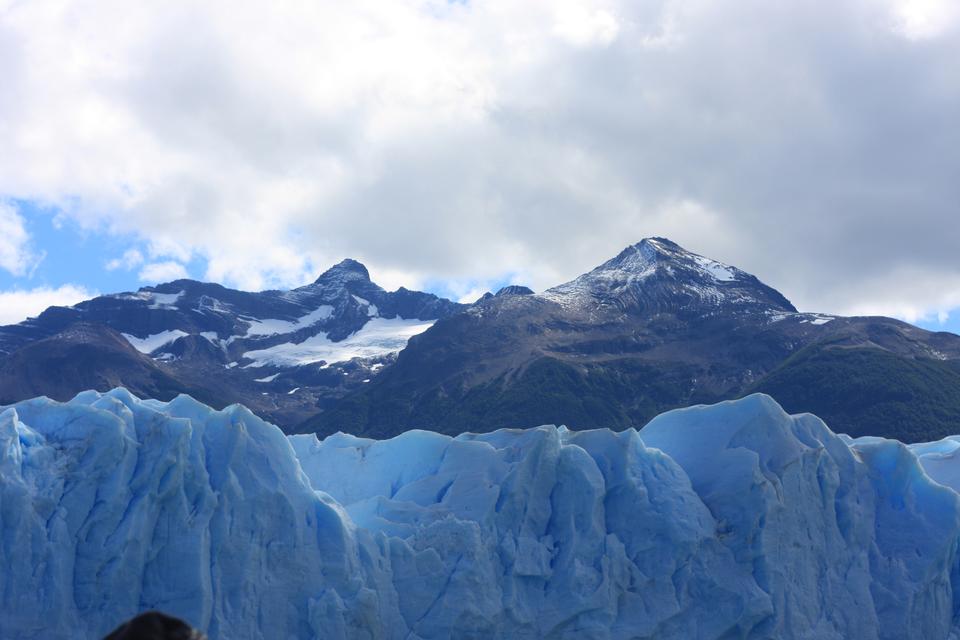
<point>729,521</point>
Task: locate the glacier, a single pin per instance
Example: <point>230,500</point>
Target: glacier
<point>728,521</point>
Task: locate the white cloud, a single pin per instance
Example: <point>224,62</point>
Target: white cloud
<point>130,259</point>
<point>939,291</point>
<point>471,295</point>
<point>919,19</point>
<point>18,305</point>
<point>157,272</point>
<point>584,26</point>
<point>816,146</point>
<point>16,253</point>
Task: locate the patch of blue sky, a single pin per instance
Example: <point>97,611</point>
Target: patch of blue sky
<point>948,322</point>
<point>78,256</point>
<point>468,290</point>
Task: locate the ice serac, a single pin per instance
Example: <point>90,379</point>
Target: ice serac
<point>730,521</point>
<point>848,541</point>
<point>112,506</point>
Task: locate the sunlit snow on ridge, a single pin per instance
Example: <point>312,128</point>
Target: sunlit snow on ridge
<point>165,300</point>
<point>718,271</point>
<point>156,300</point>
<point>153,342</point>
<point>805,317</point>
<point>379,337</point>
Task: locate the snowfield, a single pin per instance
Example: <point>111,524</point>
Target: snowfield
<point>729,521</point>
<point>271,327</point>
<point>377,338</point>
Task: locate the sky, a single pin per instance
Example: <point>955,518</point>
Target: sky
<point>458,146</point>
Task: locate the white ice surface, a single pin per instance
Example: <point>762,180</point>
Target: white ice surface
<point>941,460</point>
<point>730,521</point>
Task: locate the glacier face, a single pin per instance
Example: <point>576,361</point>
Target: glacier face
<point>729,521</point>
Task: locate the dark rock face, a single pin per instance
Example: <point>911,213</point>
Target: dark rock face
<point>154,625</point>
<point>192,337</point>
<point>81,357</point>
<point>514,290</point>
<point>656,328</point>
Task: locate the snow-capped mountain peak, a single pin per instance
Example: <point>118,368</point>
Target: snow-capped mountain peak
<point>345,271</point>
<point>658,274</point>
<point>652,255</point>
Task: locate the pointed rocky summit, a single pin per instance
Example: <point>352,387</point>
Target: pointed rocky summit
<point>347,269</point>
<point>657,274</point>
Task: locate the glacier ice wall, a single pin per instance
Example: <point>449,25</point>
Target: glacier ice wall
<point>729,521</point>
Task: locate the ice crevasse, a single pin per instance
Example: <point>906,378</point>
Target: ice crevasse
<point>728,521</point>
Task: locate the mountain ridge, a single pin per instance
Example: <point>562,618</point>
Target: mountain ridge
<point>653,328</point>
<point>281,352</point>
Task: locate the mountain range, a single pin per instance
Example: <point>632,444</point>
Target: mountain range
<point>284,354</point>
<point>655,327</point>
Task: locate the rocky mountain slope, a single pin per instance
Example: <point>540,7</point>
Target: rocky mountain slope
<point>285,354</point>
<point>654,328</point>
<point>728,521</point>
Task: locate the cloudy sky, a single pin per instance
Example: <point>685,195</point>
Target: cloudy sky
<point>456,146</point>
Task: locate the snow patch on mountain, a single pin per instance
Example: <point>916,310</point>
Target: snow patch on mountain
<point>165,300</point>
<point>372,310</point>
<point>717,270</point>
<point>208,305</point>
<point>154,341</point>
<point>273,326</point>
<point>803,317</point>
<point>377,338</point>
<point>633,265</point>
